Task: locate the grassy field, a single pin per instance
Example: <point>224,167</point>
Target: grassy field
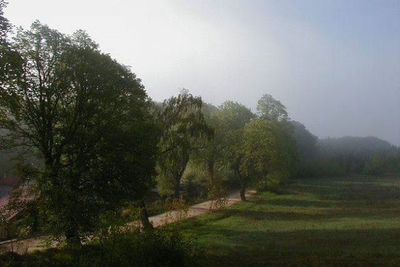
<point>352,221</point>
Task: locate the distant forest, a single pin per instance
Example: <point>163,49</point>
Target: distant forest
<point>318,157</point>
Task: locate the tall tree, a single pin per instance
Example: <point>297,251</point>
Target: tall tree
<point>89,117</point>
<point>269,152</point>
<point>210,154</point>
<point>270,108</point>
<point>259,142</point>
<point>10,61</point>
<point>234,117</point>
<point>183,124</point>
<point>4,23</point>
<point>306,142</point>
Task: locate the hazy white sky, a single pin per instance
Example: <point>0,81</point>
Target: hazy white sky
<point>335,64</point>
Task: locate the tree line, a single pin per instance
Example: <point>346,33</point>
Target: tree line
<point>103,143</point>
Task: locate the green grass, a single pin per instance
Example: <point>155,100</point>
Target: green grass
<point>352,221</point>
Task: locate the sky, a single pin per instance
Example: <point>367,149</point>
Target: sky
<point>335,64</point>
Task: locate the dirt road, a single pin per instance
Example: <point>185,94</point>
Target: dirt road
<point>195,210</point>
<point>39,243</point>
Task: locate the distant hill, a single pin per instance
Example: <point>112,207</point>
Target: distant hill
<point>350,145</point>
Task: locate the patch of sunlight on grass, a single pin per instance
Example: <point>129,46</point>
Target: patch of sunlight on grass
<point>340,221</point>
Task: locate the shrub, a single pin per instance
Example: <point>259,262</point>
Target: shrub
<point>154,248</point>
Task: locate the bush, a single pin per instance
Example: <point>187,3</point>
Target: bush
<point>383,163</point>
<point>154,248</point>
<point>322,167</point>
<point>272,181</point>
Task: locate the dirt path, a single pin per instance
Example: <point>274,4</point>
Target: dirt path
<point>39,243</point>
<point>195,210</point>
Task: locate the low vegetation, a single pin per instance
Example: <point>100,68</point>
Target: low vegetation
<point>154,248</point>
<point>349,221</point>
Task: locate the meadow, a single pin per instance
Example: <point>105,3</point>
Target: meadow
<point>351,221</point>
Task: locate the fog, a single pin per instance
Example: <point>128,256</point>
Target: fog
<point>334,64</point>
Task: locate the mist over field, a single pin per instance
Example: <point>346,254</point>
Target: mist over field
<point>335,64</point>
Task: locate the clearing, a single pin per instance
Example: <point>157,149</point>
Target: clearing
<point>352,221</point>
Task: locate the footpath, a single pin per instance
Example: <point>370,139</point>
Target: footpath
<point>38,243</point>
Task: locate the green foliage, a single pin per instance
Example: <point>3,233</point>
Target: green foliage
<point>306,142</point>
<point>89,117</point>
<point>93,126</point>
<point>7,164</point>
<point>322,167</point>
<point>5,26</point>
<point>153,248</point>
<point>209,157</point>
<point>359,146</point>
<point>6,56</point>
<point>258,147</point>
<point>265,147</point>
<point>234,115</point>
<point>195,182</point>
<point>214,158</point>
<point>351,155</point>
<point>183,126</point>
<point>348,221</point>
<point>270,108</point>
<point>383,163</point>
<point>269,152</point>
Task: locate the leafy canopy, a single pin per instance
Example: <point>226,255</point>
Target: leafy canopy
<point>88,115</point>
<point>183,126</point>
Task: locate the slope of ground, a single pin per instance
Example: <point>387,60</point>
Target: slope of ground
<point>353,221</point>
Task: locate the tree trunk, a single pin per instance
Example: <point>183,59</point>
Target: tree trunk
<point>210,168</point>
<point>242,187</point>
<point>178,178</point>
<point>35,220</point>
<point>177,188</point>
<point>236,168</point>
<point>144,217</point>
<point>243,193</point>
<point>72,236</point>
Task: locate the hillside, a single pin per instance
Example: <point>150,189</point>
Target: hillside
<point>359,146</point>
